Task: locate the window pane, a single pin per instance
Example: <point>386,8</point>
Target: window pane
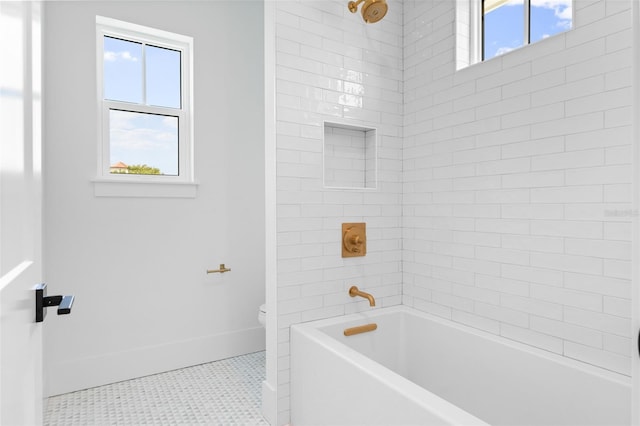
<point>138,139</point>
<point>122,70</point>
<point>503,27</point>
<point>549,18</point>
<point>163,77</point>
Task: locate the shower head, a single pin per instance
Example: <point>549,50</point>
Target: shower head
<point>372,10</point>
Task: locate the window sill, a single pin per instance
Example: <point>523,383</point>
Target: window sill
<point>142,189</point>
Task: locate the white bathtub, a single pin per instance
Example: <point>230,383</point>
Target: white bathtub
<point>417,369</point>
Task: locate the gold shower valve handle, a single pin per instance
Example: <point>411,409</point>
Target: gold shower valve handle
<point>354,240</point>
<point>222,270</point>
<point>355,243</point>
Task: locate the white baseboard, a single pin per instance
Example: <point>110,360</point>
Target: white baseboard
<point>76,374</point>
<point>269,403</point>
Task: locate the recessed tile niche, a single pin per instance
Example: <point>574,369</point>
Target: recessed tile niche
<point>349,156</point>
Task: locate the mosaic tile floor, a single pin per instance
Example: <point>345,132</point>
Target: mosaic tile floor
<point>225,392</point>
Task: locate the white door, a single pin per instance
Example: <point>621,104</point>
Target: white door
<point>635,298</point>
<point>20,214</point>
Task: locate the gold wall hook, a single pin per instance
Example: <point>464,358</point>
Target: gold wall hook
<point>222,269</point>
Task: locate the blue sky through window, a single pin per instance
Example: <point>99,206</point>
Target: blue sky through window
<point>504,25</point>
<point>122,70</point>
<point>504,29</point>
<point>549,18</point>
<point>163,77</point>
<point>138,138</point>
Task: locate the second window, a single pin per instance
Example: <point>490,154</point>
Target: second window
<point>509,24</point>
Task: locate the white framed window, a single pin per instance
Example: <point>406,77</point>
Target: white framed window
<point>144,86</point>
<point>490,28</point>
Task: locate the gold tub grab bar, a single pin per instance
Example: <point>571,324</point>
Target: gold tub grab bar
<point>360,329</point>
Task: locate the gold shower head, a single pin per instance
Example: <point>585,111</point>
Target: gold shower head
<point>372,10</point>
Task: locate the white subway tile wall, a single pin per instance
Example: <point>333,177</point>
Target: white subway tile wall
<point>503,197</point>
<point>517,200</point>
<point>331,66</point>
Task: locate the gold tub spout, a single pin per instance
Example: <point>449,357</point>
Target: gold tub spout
<point>353,292</point>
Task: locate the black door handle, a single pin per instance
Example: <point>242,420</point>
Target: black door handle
<point>64,303</point>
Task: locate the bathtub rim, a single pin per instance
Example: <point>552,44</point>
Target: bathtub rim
<point>364,317</point>
<point>438,406</point>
